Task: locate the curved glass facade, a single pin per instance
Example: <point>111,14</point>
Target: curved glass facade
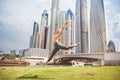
<point>111,47</point>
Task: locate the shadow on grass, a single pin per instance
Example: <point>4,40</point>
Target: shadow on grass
<point>33,77</point>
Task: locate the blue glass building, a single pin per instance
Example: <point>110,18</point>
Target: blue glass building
<point>33,38</point>
<point>43,30</point>
<point>69,37</point>
<point>111,46</point>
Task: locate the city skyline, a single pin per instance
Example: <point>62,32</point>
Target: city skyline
<point>18,27</point>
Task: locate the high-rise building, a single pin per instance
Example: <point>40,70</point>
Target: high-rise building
<point>97,27</point>
<point>61,19</point>
<point>34,38</point>
<point>43,28</point>
<point>37,40</point>
<point>69,37</point>
<point>45,37</point>
<point>81,33</point>
<point>48,38</point>
<point>60,25</point>
<point>111,46</point>
<point>53,23</point>
<point>31,41</point>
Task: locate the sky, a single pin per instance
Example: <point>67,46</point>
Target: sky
<point>17,18</point>
<point>112,12</point>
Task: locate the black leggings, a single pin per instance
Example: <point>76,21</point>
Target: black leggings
<point>58,46</point>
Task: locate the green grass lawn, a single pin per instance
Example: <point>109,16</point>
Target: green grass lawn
<point>60,73</point>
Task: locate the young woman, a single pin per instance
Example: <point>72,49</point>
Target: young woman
<point>58,45</point>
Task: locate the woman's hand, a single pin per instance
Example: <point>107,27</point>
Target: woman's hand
<point>65,22</point>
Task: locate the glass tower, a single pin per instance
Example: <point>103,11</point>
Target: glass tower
<point>111,46</point>
<point>60,25</point>
<point>97,27</point>
<point>69,37</point>
<point>81,33</point>
<point>53,23</point>
<point>43,29</point>
<point>34,38</point>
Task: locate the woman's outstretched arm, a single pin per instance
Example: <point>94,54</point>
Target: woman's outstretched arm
<point>63,27</point>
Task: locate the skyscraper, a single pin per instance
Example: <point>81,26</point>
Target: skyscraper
<point>81,32</point>
<point>53,23</point>
<point>69,37</point>
<point>111,46</point>
<point>97,27</point>
<point>60,25</point>
<point>43,35</point>
<point>33,38</point>
<point>61,18</point>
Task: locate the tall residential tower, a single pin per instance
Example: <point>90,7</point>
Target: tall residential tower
<point>34,37</point>
<point>97,27</point>
<point>81,32</point>
<point>69,37</point>
<point>43,30</point>
<point>53,23</point>
<point>60,25</point>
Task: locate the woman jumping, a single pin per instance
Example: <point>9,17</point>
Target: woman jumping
<point>58,45</point>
